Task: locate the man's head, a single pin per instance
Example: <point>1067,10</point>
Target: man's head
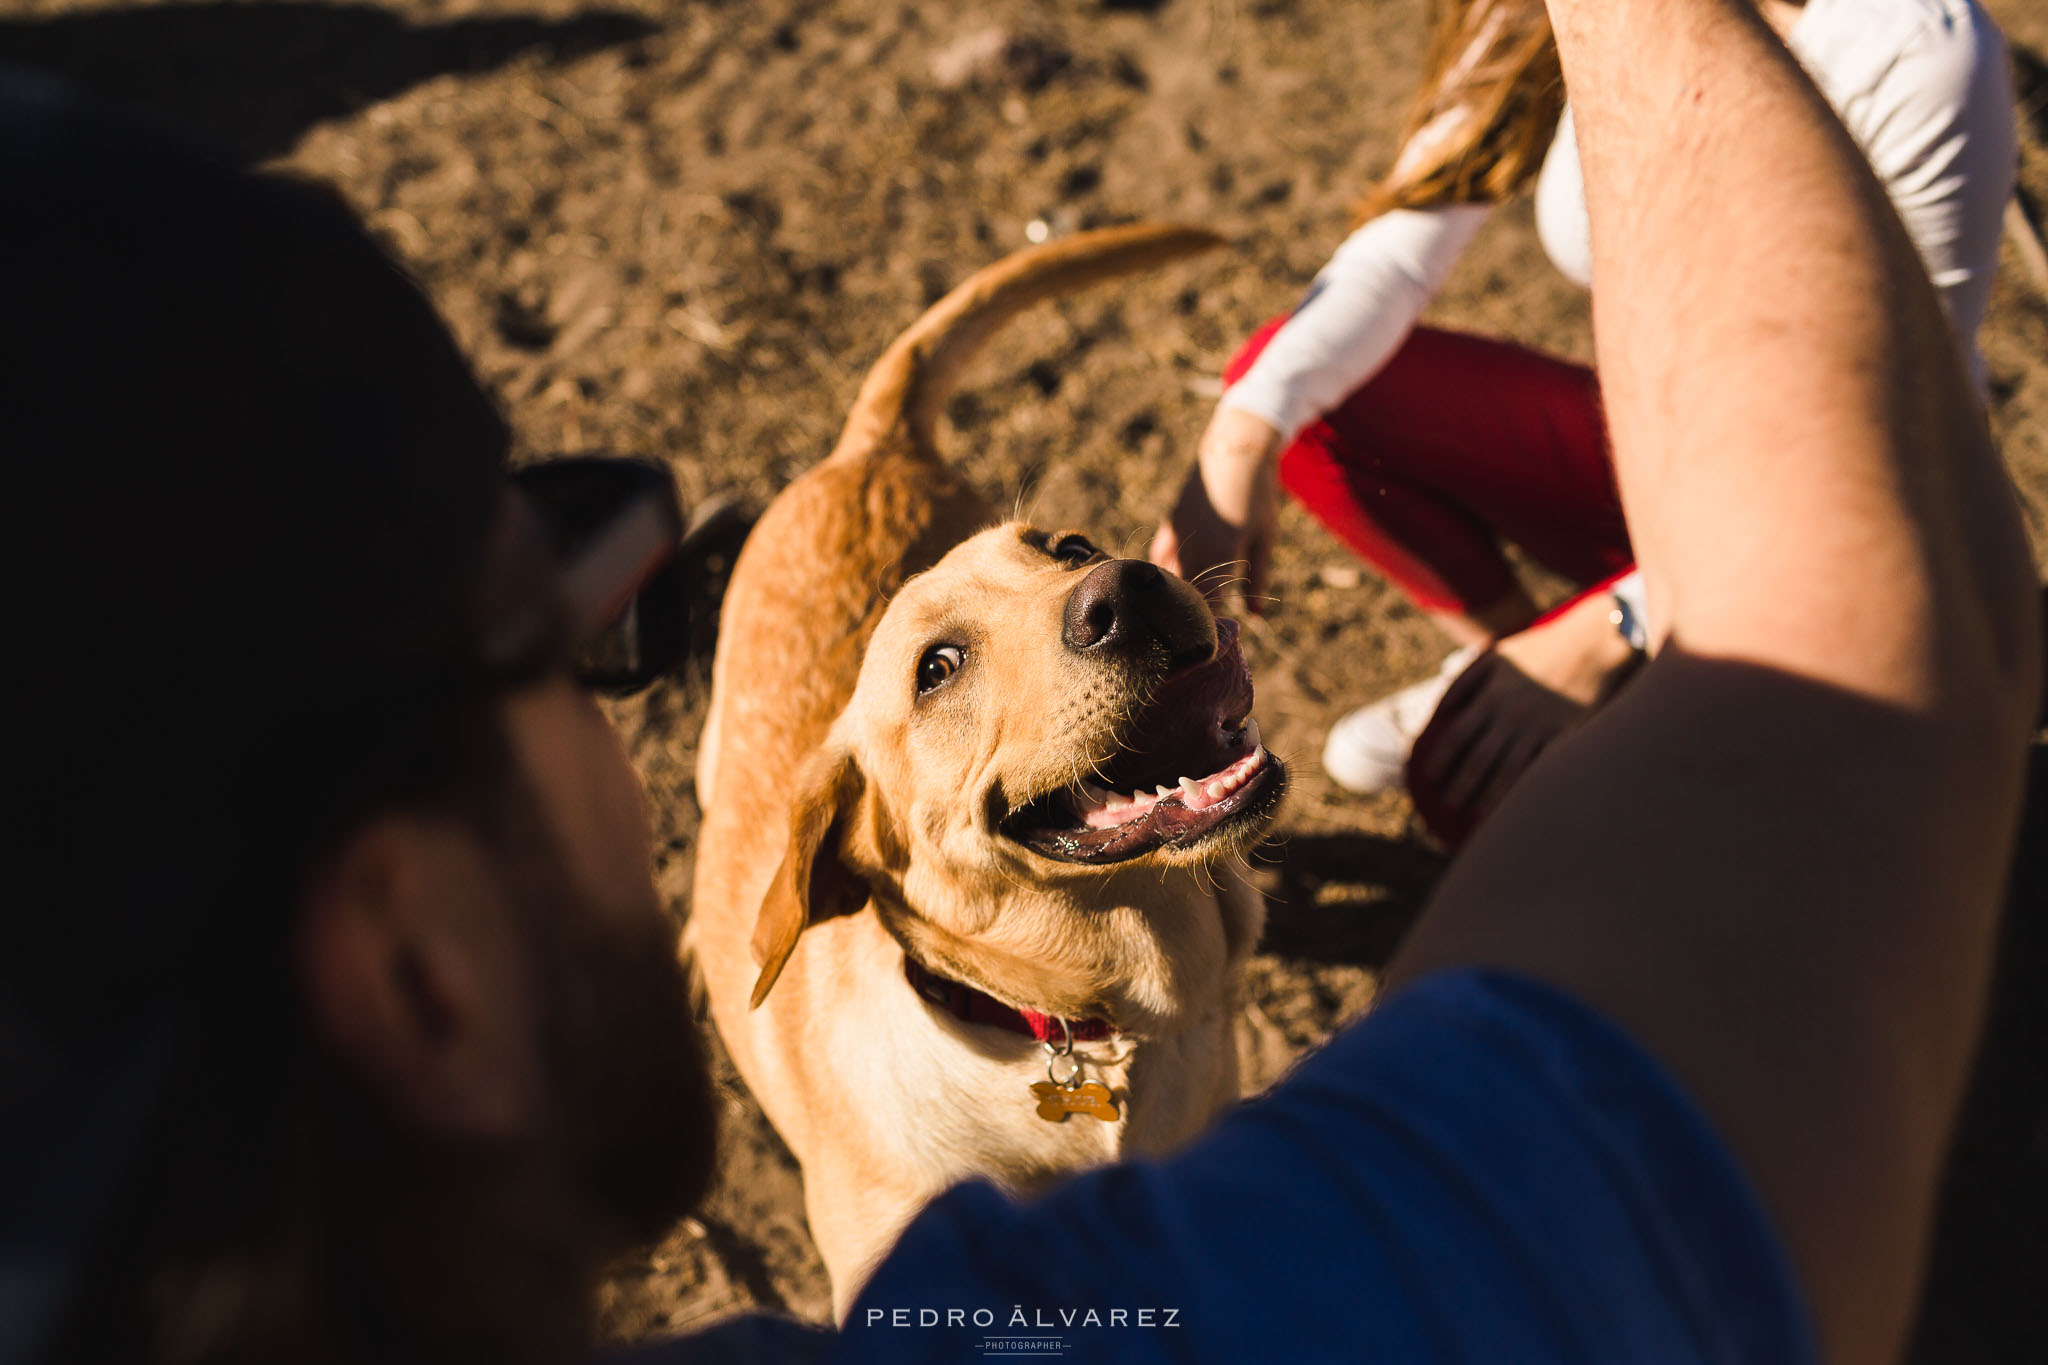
<point>345,1021</point>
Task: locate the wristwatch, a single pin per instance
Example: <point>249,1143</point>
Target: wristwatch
<point>1628,613</point>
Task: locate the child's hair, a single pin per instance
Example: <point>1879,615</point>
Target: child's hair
<point>1489,103</point>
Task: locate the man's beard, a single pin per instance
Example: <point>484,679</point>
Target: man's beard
<point>490,1251</point>
<point>285,1213</point>
<point>634,1128</point>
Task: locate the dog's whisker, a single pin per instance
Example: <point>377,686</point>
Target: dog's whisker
<point>1212,571</point>
<point>1026,501</point>
<point>1231,570</point>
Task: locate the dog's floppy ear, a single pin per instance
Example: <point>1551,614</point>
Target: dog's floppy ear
<point>806,886</point>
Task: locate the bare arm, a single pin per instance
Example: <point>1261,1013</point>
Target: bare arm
<point>1359,312</point>
<point>1777,858</point>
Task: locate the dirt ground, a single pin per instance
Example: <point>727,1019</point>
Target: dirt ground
<point>683,229</point>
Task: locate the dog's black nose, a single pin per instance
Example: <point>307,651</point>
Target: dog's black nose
<point>1127,606</point>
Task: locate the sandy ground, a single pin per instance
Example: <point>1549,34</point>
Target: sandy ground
<point>683,230</point>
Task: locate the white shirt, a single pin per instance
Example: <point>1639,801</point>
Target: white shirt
<point>1921,85</point>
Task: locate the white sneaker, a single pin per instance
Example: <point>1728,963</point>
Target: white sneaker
<point>1367,750</point>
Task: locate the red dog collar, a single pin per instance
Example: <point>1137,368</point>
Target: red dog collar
<point>972,1006</point>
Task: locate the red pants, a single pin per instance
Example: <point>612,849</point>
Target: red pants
<point>1457,445</point>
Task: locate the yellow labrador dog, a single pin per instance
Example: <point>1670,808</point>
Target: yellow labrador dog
<point>974,797</point>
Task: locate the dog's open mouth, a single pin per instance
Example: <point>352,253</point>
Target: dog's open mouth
<point>1190,767</point>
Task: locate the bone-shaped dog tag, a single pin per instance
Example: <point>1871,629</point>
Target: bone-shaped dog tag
<point>1055,1102</point>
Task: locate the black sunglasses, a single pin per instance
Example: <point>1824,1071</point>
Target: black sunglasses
<point>614,526</point>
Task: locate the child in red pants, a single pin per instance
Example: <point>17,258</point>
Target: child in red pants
<point>1457,447</point>
<point>1459,444</point>
<point>1428,451</point>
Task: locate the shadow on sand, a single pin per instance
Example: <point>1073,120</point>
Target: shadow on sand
<point>251,79</point>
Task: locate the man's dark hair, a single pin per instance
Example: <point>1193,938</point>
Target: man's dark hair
<point>253,479</point>
<point>255,486</point>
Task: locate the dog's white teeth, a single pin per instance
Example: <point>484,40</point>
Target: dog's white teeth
<point>1189,787</point>
<point>1162,791</point>
<point>1118,810</point>
<point>1251,734</point>
<point>1219,790</point>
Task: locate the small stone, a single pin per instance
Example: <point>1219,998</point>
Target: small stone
<point>964,61</point>
<point>995,57</point>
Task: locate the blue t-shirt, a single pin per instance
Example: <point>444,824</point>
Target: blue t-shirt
<point>1482,1170</point>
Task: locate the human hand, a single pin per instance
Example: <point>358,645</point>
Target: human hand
<point>1221,529</point>
<point>1492,724</point>
<point>1510,705</point>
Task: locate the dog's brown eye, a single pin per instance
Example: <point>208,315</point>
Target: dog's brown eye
<point>939,663</point>
<point>1074,551</point>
